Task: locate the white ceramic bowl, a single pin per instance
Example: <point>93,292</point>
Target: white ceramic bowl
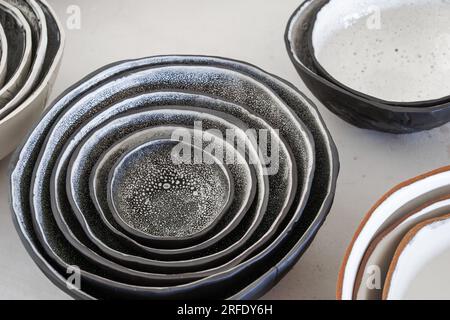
<point>396,204</point>
<point>15,125</point>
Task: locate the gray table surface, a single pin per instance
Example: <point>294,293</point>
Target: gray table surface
<point>249,30</point>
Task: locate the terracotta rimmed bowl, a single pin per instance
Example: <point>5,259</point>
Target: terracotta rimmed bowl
<point>15,125</point>
<point>304,31</point>
<point>396,204</point>
<point>250,278</point>
<point>419,269</point>
<point>382,249</point>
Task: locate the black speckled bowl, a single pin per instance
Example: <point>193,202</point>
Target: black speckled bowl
<point>242,178</point>
<point>248,279</point>
<point>359,109</point>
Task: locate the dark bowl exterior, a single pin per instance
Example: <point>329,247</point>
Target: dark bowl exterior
<point>360,111</point>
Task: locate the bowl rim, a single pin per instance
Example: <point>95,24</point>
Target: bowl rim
<point>387,231</point>
<point>369,214</point>
<point>36,63</point>
<point>402,107</point>
<point>3,53</point>
<point>50,74</point>
<point>12,86</point>
<point>115,210</point>
<point>244,207</point>
<point>406,241</point>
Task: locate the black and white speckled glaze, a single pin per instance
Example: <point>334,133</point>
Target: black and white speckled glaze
<point>356,108</point>
<point>138,120</point>
<point>152,195</point>
<point>221,81</point>
<point>114,129</point>
<point>247,280</point>
<point>241,173</point>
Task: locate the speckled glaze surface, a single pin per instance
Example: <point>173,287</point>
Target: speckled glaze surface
<point>355,107</point>
<point>242,176</point>
<point>152,195</point>
<point>248,279</point>
<point>16,123</point>
<point>189,77</point>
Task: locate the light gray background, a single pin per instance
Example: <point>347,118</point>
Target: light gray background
<point>249,30</point>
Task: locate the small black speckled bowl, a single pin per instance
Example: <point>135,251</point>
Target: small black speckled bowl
<point>354,107</point>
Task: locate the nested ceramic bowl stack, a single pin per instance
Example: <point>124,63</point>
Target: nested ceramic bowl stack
<point>402,248</point>
<point>380,65</point>
<point>127,181</point>
<point>31,45</point>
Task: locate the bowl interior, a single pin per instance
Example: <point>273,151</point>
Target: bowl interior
<point>421,260</point>
<point>158,191</point>
<point>393,50</point>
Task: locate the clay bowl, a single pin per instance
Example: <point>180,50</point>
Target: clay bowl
<point>419,269</point>
<point>15,125</point>
<point>35,17</point>
<point>148,118</point>
<point>185,201</point>
<point>278,202</point>
<point>394,206</point>
<point>370,104</point>
<point>382,249</point>
<point>250,278</point>
<point>242,175</point>
<point>20,55</point>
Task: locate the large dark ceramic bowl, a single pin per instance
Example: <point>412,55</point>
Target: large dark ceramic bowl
<point>359,109</point>
<point>286,239</point>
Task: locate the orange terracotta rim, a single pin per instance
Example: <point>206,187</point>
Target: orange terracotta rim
<point>382,235</point>
<point>340,281</point>
<point>403,244</point>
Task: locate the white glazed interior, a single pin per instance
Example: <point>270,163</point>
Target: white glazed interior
<point>423,265</point>
<point>395,206</point>
<point>394,50</point>
<point>384,251</point>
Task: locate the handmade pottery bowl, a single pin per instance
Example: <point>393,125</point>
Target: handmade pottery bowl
<point>382,249</point>
<point>156,197</point>
<point>420,265</point>
<point>20,46</point>
<point>377,49</point>
<point>35,17</point>
<point>305,31</point>
<point>15,125</point>
<point>396,204</point>
<point>250,278</point>
<point>3,56</point>
<point>243,175</point>
<point>278,202</point>
<point>123,125</point>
